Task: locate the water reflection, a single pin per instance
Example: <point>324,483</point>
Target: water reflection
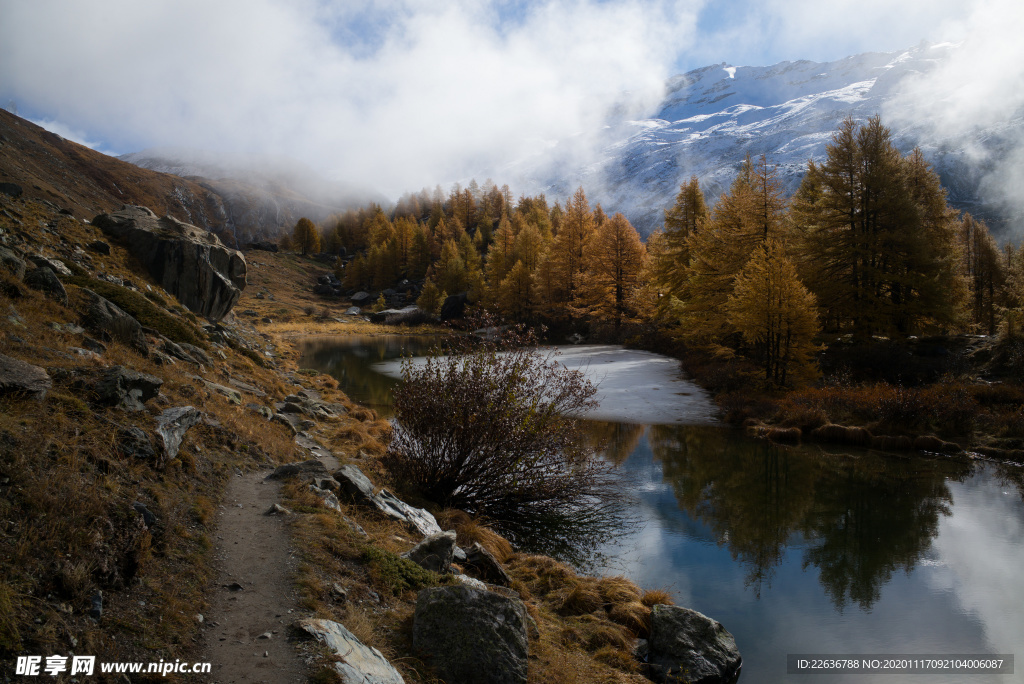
<point>859,517</point>
<point>795,550</point>
<point>350,358</point>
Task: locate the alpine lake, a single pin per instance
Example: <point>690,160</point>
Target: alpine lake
<point>812,550</point>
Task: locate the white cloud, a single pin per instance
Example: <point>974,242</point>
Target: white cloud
<point>430,92</point>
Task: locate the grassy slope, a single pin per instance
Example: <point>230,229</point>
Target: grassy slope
<point>68,529</point>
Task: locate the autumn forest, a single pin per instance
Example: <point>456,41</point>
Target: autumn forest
<point>866,248</point>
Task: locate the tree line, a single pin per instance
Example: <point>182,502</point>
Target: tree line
<point>867,246</point>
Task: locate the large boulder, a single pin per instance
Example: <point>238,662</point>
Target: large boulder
<point>46,281</point>
<point>111,321</point>
<point>471,636</point>
<point>686,646</point>
<point>189,262</point>
<point>24,379</point>
<point>14,264</point>
<point>355,662</point>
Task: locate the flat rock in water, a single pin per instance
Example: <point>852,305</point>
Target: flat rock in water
<point>358,663</point>
<point>471,636</point>
<point>687,646</point>
<point>20,378</point>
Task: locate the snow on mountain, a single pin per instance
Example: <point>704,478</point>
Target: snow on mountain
<point>712,117</point>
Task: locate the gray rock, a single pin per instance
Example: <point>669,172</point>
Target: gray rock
<point>327,497</point>
<point>188,262</point>
<point>172,425</point>
<point>135,443</point>
<point>147,515</point>
<point>471,636</point>
<point>45,280</point>
<point>55,265</point>
<point>353,311</point>
<point>197,353</point>
<point>20,378</point>
<point>12,262</point>
<point>435,553</point>
<point>94,345</point>
<point>107,318</point>
<point>362,298</point>
<point>686,646</point>
<point>277,509</point>
<point>99,246</point>
<point>486,565</point>
<point>306,470</point>
<point>358,488</point>
<point>354,484</point>
<point>11,189</point>
<point>289,421</point>
<point>357,663</point>
<point>390,505</point>
<point>127,388</point>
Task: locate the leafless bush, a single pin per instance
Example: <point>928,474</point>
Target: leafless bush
<point>485,427</point>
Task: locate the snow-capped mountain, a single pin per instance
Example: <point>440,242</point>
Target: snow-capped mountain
<point>712,117</point>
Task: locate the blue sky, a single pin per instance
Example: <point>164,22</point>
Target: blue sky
<point>400,94</point>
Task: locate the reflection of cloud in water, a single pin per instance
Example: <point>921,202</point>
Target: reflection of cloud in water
<point>632,386</point>
<point>981,553</point>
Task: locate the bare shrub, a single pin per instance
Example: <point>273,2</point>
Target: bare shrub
<point>485,426</point>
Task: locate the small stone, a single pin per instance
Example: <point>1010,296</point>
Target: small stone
<point>277,509</point>
<point>265,635</point>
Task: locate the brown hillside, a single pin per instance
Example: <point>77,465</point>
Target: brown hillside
<point>74,177</point>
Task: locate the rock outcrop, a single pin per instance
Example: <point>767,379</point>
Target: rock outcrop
<point>435,553</point>
<point>126,388</point>
<point>356,663</point>
<point>687,646</point>
<point>111,322</point>
<point>471,636</point>
<point>20,378</point>
<point>189,262</point>
<point>172,424</point>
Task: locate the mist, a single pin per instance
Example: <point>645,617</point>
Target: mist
<point>397,95</point>
<point>975,101</point>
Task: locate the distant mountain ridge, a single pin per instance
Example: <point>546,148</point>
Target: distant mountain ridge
<point>711,118</point>
<point>263,197</point>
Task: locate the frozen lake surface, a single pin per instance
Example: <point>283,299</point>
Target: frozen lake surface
<point>632,386</point>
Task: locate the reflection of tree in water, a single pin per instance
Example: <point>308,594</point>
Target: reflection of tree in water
<point>874,515</point>
<point>862,516</point>
<point>750,493</point>
<point>349,360</point>
<point>614,441</point>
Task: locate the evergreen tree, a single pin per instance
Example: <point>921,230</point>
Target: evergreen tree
<point>614,259</point>
<point>775,314</point>
<point>306,237</point>
<point>877,239</point>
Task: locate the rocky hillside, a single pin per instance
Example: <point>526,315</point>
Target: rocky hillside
<point>47,167</point>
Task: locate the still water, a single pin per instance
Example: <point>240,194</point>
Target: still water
<point>798,550</point>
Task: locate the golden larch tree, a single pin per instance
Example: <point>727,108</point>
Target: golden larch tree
<point>776,315</point>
